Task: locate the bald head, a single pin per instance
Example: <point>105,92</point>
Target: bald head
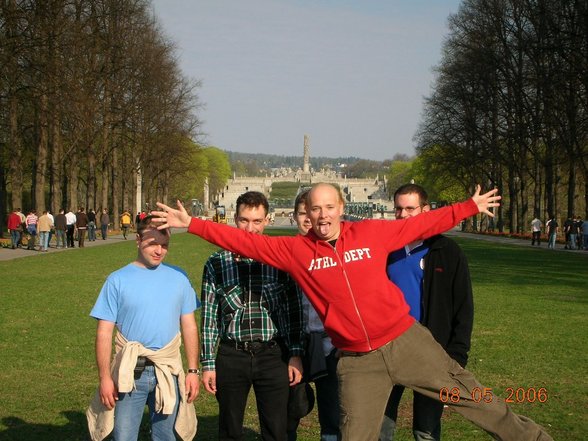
<point>324,208</point>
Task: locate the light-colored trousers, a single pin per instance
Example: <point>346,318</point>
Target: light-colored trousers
<point>417,361</point>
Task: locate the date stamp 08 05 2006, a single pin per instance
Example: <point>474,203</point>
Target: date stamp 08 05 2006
<point>485,394</point>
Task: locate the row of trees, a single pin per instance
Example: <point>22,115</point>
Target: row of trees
<point>509,107</point>
<point>94,110</point>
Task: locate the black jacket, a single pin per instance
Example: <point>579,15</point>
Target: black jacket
<point>447,301</point>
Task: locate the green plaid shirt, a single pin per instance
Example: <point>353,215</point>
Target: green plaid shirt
<point>244,300</point>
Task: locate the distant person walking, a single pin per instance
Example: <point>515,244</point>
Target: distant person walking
<point>52,231</point>
<point>585,234</point>
<point>14,226</point>
<point>104,221</point>
<point>23,226</point>
<point>125,221</point>
<point>44,226</point>
<point>82,226</point>
<point>571,228</point>
<point>31,223</point>
<point>577,230</point>
<point>552,230</point>
<point>71,228</point>
<point>91,225</point>
<point>536,225</point>
<point>61,228</point>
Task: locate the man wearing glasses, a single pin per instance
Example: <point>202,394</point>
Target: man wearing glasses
<point>435,280</point>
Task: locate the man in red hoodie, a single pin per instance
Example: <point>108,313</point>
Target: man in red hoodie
<point>341,268</point>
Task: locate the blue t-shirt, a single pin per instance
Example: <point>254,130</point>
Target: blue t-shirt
<point>406,270</point>
<point>146,304</point>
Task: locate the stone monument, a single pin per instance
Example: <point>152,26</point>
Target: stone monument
<point>306,164</point>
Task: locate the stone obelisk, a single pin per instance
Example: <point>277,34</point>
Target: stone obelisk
<point>306,166</point>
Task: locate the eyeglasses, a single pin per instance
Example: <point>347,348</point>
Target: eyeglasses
<point>407,209</point>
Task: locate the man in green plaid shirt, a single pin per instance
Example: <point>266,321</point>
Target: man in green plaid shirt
<point>252,320</point>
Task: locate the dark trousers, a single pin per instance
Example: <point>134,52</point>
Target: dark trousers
<point>31,242</point>
<point>536,238</point>
<point>426,415</point>
<point>104,230</point>
<point>327,403</point>
<point>267,371</point>
<point>70,235</point>
<point>327,399</point>
<point>81,236</point>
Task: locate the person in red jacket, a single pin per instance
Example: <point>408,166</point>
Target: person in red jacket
<point>341,268</point>
<point>14,225</point>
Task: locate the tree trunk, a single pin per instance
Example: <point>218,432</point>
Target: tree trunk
<point>73,183</point>
<point>571,188</point>
<point>55,186</point>
<point>550,181</point>
<point>91,186</point>
<point>116,177</point>
<point>139,189</point>
<point>42,147</point>
<point>104,184</point>
<point>15,155</point>
<point>3,208</point>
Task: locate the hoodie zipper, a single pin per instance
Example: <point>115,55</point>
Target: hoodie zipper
<point>367,338</point>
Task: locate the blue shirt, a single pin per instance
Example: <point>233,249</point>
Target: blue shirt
<point>406,270</point>
<point>146,303</point>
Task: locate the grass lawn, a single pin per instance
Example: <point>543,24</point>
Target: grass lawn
<point>530,332</point>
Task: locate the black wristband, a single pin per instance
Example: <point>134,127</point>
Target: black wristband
<point>194,371</point>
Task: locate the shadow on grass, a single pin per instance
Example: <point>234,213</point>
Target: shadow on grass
<point>76,429</point>
<point>18,429</point>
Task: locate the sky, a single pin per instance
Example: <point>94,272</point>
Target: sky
<point>352,75</point>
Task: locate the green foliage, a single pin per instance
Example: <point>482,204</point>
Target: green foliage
<point>219,169</point>
<point>189,183</point>
<point>530,331</point>
<point>400,173</point>
<point>439,184</point>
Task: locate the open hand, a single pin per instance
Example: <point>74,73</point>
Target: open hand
<point>170,217</point>
<point>487,200</point>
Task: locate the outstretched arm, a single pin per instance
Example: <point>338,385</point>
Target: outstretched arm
<point>170,217</point>
<point>486,201</point>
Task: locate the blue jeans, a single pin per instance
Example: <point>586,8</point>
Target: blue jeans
<point>32,230</point>
<point>91,231</point>
<point>43,240</point>
<point>573,244</point>
<point>14,237</point>
<point>551,243</point>
<point>129,408</point>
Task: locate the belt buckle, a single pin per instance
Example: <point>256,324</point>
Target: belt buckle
<point>248,347</point>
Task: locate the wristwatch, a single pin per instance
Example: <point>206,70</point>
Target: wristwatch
<point>194,371</point>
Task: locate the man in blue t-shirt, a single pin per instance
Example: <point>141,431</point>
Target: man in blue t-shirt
<point>435,280</point>
<point>148,302</point>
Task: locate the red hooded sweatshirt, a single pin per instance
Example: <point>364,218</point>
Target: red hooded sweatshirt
<point>347,284</point>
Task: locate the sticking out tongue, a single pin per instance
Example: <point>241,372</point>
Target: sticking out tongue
<point>324,229</point>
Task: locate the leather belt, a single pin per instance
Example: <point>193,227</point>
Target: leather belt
<point>251,347</point>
